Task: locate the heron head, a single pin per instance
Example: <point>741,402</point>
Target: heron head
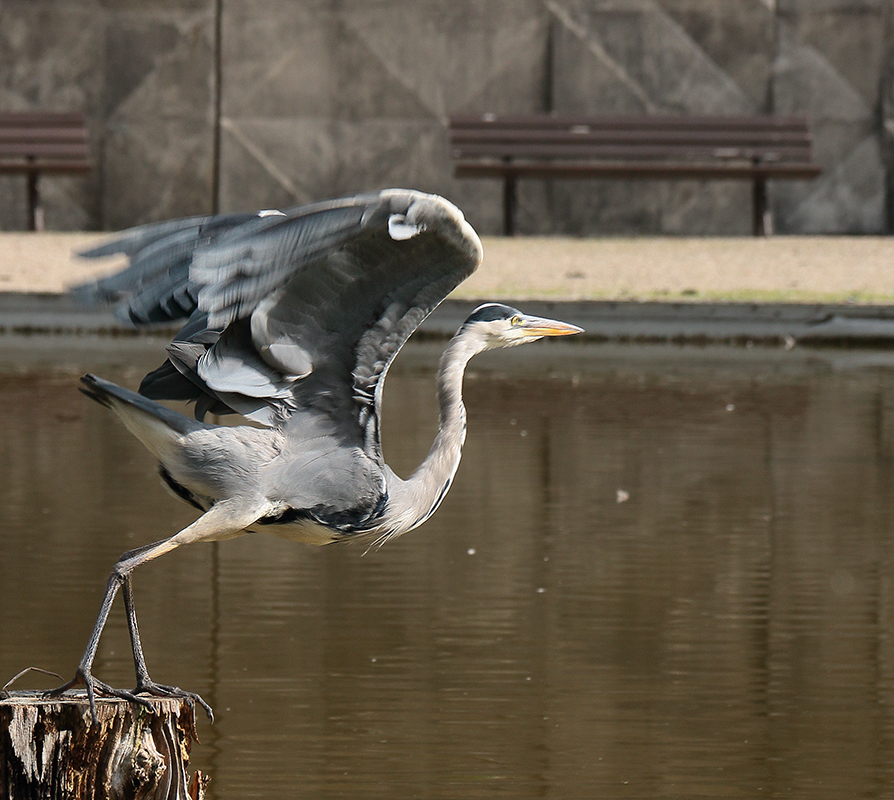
<point>497,325</point>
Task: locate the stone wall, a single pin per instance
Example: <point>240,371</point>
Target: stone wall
<point>231,104</point>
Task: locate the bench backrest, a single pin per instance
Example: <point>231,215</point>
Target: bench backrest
<point>44,140</point>
<point>621,138</point>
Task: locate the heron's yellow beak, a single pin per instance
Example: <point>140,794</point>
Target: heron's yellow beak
<point>540,326</point>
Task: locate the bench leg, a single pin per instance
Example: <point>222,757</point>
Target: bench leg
<point>35,211</point>
<point>761,221</point>
<point>510,203</point>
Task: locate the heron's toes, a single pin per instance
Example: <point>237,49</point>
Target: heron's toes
<point>96,687</point>
<point>104,690</point>
<point>162,690</point>
<point>60,690</point>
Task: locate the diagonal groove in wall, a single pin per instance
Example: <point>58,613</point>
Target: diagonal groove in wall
<point>398,75</point>
<point>562,15</point>
<point>434,81</point>
<point>506,68</point>
<point>258,155</point>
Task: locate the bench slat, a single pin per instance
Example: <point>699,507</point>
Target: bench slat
<point>45,149</point>
<point>466,138</point>
<point>616,152</point>
<point>590,169</point>
<point>25,149</point>
<point>641,122</point>
<point>29,119</point>
<point>43,135</point>
<point>57,166</point>
<point>463,139</point>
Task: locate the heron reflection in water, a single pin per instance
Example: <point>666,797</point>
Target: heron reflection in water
<point>292,321</point>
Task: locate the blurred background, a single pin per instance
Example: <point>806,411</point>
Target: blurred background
<point>201,105</point>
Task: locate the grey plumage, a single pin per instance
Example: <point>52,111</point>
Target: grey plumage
<point>292,320</point>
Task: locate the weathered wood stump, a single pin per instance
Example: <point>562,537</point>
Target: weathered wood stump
<point>52,750</point>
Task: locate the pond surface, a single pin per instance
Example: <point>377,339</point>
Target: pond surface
<point>661,573</point>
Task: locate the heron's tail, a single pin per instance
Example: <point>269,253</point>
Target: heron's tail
<point>155,425</point>
<point>98,389</point>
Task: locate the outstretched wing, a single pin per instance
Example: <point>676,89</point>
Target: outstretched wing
<point>302,311</point>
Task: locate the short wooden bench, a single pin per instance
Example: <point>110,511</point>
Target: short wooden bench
<point>42,142</point>
<point>754,148</point>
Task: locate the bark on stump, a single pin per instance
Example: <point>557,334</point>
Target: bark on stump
<point>51,749</point>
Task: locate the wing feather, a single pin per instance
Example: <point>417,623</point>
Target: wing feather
<point>160,256</point>
<point>296,312</point>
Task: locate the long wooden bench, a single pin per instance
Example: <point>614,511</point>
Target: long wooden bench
<point>34,143</point>
<point>755,148</point>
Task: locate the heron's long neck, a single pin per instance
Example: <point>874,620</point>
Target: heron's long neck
<point>422,492</point>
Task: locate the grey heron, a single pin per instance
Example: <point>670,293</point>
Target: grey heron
<point>292,321</point>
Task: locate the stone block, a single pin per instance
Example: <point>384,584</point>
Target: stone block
<point>636,57</point>
<point>705,208</point>
<point>451,55</point>
<point>736,37</point>
<point>156,168</point>
<point>789,7</point>
<point>849,35</point>
<point>849,198</point>
<point>13,203</point>
<point>322,68</point>
<point>68,202</point>
<point>805,82</point>
<point>818,72</point>
<point>51,56</point>
<point>158,98</point>
<point>284,162</point>
<point>358,60</point>
<point>585,81</point>
<point>359,93</point>
<point>643,207</point>
<point>481,202</point>
<point>585,207</point>
<point>159,65</point>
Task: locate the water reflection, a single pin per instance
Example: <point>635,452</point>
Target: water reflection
<point>660,573</point>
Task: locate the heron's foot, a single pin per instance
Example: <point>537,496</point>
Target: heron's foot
<point>83,677</point>
<point>148,686</point>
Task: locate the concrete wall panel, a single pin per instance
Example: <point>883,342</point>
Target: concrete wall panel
<point>158,102</point>
<point>359,93</point>
<point>829,63</point>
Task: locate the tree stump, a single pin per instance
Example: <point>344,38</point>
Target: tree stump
<point>51,749</point>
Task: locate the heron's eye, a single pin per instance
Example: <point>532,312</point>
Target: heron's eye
<point>516,320</point>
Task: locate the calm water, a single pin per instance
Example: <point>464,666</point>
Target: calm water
<point>660,573</point>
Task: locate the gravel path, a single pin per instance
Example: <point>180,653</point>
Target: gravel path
<point>778,269</point>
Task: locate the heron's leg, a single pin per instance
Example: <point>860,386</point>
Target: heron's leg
<point>223,520</point>
<point>120,576</point>
<point>144,682</point>
<point>139,660</point>
<point>136,646</point>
